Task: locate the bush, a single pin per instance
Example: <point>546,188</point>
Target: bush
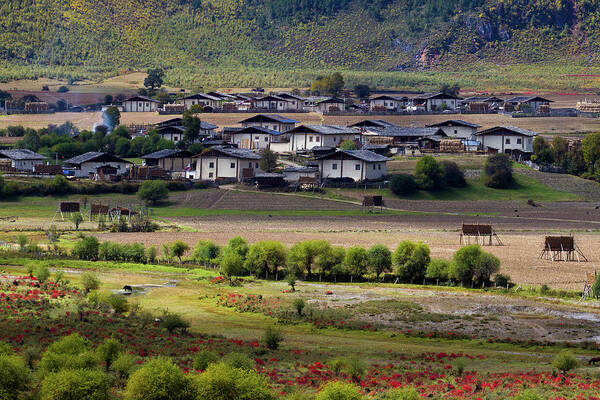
<point>172,321</point>
<point>299,305</point>
<point>565,361</point>
<point>108,351</point>
<point>502,280</point>
<point>14,377</point>
<point>159,379</point>
<point>453,176</point>
<point>428,174</point>
<point>89,282</point>
<point>272,338</point>
<point>87,248</point>
<point>239,360</point>
<point>118,303</point>
<point>380,259</point>
<point>438,269</point>
<point>351,366</point>
<point>356,261</point>
<point>487,265</point>
<point>41,273</point>
<point>77,219</point>
<point>400,394</point>
<point>62,89</point>
<point>402,184</point>
<point>528,394</point>
<point>153,191</point>
<point>178,249</point>
<point>75,384</point>
<point>124,365</point>
<point>339,391</point>
<point>224,382</point>
<point>205,252</point>
<point>6,349</point>
<point>472,264</point>
<point>411,260</point>
<point>151,254</point>
<point>204,358</point>
<point>72,352</point>
<point>497,172</point>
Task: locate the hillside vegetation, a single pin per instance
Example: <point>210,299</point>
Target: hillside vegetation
<point>191,37</point>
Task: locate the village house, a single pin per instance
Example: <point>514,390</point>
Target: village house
<point>271,121</point>
<point>294,103</point>
<point>201,99</point>
<point>456,128</point>
<point>305,137</point>
<point>93,163</point>
<point>173,130</point>
<point>387,103</point>
<point>398,136</point>
<point>507,139</point>
<point>294,174</point>
<point>271,103</point>
<point>222,96</point>
<point>371,123</point>
<point>140,104</point>
<point>225,163</point>
<point>257,138</point>
<point>437,102</point>
<point>534,104</point>
<point>359,165</point>
<point>172,160</point>
<point>330,105</point>
<point>20,159</point>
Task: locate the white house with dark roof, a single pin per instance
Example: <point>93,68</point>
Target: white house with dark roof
<point>507,139</point>
<point>21,159</point>
<point>200,99</point>
<point>371,123</point>
<point>398,136</point>
<point>387,103</point>
<point>437,101</point>
<point>140,104</point>
<point>305,137</point>
<point>456,128</point>
<point>359,165</point>
<point>90,163</point>
<point>224,163</point>
<point>294,103</point>
<point>271,121</point>
<point>176,132</point>
<point>528,103</point>
<point>272,103</point>
<point>257,138</point>
<point>332,104</point>
<point>173,160</point>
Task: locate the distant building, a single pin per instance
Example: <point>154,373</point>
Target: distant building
<point>456,128</point>
<point>359,165</point>
<point>437,101</point>
<point>332,104</point>
<point>270,121</point>
<point>507,139</point>
<point>371,123</point>
<point>140,104</point>
<point>256,138</point>
<point>201,99</point>
<point>173,130</point>
<point>294,103</point>
<point>305,137</point>
<point>387,103</point>
<point>399,136</point>
<point>271,103</point>
<point>91,163</point>
<point>225,163</point>
<point>527,103</point>
<point>21,159</point>
<point>172,160</point>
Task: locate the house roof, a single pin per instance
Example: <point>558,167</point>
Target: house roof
<point>526,99</point>
<point>434,138</point>
<point>406,131</point>
<point>300,169</point>
<point>229,130</point>
<point>142,98</point>
<point>169,122</point>
<point>230,152</point>
<point>96,157</point>
<point>388,97</point>
<point>370,146</point>
<point>331,100</point>
<point>167,153</point>
<point>201,96</point>
<point>482,99</point>
<point>377,123</point>
<point>499,130</point>
<point>221,95</point>
<point>269,118</point>
<point>286,95</point>
<point>324,130</point>
<point>271,97</point>
<point>21,154</point>
<point>259,129</point>
<point>363,155</point>
<point>430,96</point>
<point>456,122</point>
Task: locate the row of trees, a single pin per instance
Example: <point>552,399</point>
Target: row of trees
<point>559,154</point>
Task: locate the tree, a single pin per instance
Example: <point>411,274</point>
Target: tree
<point>192,125</point>
<point>154,79</point>
<point>302,255</point>
<point>331,84</point>
<point>75,384</point>
<point>380,259</point>
<point>108,352</point>
<point>438,269</point>
<point>108,99</point>
<point>89,281</point>
<point>565,361</point>
<point>560,149</point>
<point>268,160</point>
<point>450,90</point>
<point>428,174</point>
<point>204,358</point>
<point>487,265</point>
<point>265,256</point>
<point>356,261</point>
<point>348,145</point>
<point>497,171</point>
<point>159,379</point>
<point>173,321</point>
<point>337,390</point>
<point>362,91</point>
<point>112,118</point>
<point>178,249</point>
<point>14,377</point>
<point>69,352</point>
<point>330,258</point>
<point>87,248</point>
<point>402,184</point>
<point>238,245</point>
<point>453,176</point>
<point>153,191</point>
<point>42,273</point>
<point>541,151</point>
<point>472,264</point>
<point>410,260</point>
<point>223,382</point>
<point>77,219</point>
<point>205,252</point>
<point>590,147</point>
<point>273,337</point>
<point>62,89</point>
<point>232,264</point>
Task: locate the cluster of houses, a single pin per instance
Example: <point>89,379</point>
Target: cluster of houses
<point>233,154</point>
<point>288,102</point>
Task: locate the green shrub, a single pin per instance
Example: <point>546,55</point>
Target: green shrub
<point>151,254</point>
<point>438,269</point>
<point>528,394</point>
<point>380,259</point>
<point>62,89</point>
<point>124,365</point>
<point>453,176</point>
<point>41,273</point>
<point>502,280</point>
<point>472,264</point>
<point>402,184</point>
<point>159,379</point>
<point>14,377</point>
<point>239,360</point>
<point>497,172</point>
<point>565,361</point>
<point>22,241</point>
<point>108,352</point>
<point>75,384</point>
<point>173,321</point>
<point>356,261</point>
<point>339,391</point>
<point>77,219</point>
<point>153,192</point>
<point>6,349</point>
<point>178,249</point>
<point>204,358</point>
<point>410,260</point>
<point>87,248</point>
<point>400,394</point>
<point>272,338</point>
<point>299,305</point>
<point>205,252</point>
<point>89,282</point>
<point>59,276</point>
<point>224,382</point>
<point>71,352</point>
<point>428,174</point>
<point>117,302</point>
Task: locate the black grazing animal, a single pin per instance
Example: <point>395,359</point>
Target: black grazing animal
<point>127,288</point>
<point>594,360</point>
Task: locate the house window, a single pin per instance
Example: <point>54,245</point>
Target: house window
<point>256,165</point>
<point>211,165</point>
<point>249,165</point>
<point>211,175</point>
<point>310,139</point>
<point>379,167</point>
<point>232,165</point>
<point>274,127</point>
<point>519,141</point>
<point>266,139</point>
<point>334,139</point>
<point>357,167</point>
<point>456,132</point>
<point>374,166</point>
<point>140,104</point>
<point>507,141</point>
<point>147,104</point>
<point>334,166</point>
<point>176,138</point>
<point>317,139</point>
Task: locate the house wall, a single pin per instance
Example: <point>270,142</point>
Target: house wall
<point>391,105</point>
<point>25,165</point>
<point>92,167</point>
<point>499,142</point>
<point>174,163</point>
<point>375,170</point>
<point>335,140</point>
<point>324,107</point>
<point>203,102</point>
<point>462,132</point>
<point>280,147</point>
<point>140,106</point>
<point>251,141</point>
<point>223,167</point>
<point>295,176</point>
<point>330,168</point>
<point>275,126</point>
<point>437,104</point>
<point>302,141</point>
